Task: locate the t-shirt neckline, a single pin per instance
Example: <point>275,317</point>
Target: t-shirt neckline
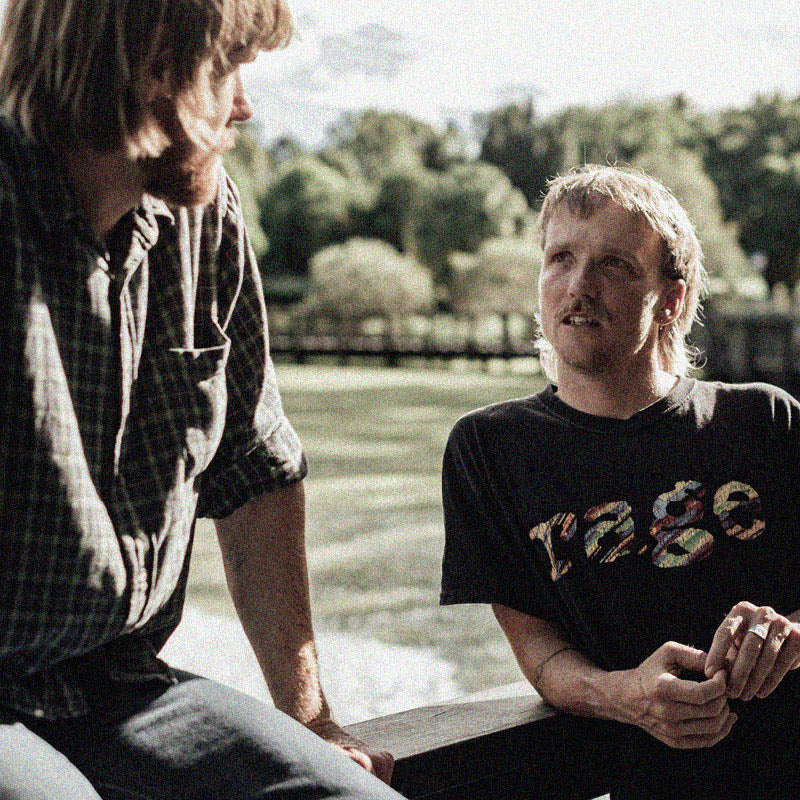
<point>549,397</point>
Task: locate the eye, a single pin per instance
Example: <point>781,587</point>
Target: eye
<point>559,257</point>
<point>617,263</point>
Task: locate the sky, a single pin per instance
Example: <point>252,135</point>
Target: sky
<point>448,59</point>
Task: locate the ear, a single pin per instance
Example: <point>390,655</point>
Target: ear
<point>672,302</point>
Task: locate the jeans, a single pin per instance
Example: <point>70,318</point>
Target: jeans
<point>197,740</point>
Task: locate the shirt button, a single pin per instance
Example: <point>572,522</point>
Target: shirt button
<point>38,713</point>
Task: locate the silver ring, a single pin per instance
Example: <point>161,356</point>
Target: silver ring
<point>761,630</point>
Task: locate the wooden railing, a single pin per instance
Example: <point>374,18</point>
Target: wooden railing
<point>506,744</point>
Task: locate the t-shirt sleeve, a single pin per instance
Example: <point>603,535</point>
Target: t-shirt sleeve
<point>259,450</point>
<point>485,557</point>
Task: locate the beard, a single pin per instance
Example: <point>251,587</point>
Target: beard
<point>183,176</point>
<point>186,173</point>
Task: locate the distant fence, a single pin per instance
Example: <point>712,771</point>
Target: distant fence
<point>747,346</point>
<point>739,345</point>
<point>443,338</point>
<point>392,349</point>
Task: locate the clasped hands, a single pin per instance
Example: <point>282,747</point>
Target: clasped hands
<point>751,652</point>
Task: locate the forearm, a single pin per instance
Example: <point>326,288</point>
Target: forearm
<point>263,550</point>
<point>561,674</point>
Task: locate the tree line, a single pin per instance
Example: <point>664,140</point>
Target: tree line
<point>412,219</point>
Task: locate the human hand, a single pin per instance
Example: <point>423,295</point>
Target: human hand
<point>757,647</point>
<point>378,762</point>
<point>680,713</point>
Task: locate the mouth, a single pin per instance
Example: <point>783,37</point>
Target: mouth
<point>576,320</point>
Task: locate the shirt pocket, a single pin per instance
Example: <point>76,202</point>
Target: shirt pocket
<point>203,404</point>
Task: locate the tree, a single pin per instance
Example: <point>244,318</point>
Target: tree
<point>367,277</point>
<point>470,203</point>
<point>385,142</point>
<point>622,131</point>
<point>501,278</point>
<point>529,151</point>
<point>753,157</point>
<point>308,206</point>
<point>395,214</point>
<point>251,169</point>
<point>681,171</point>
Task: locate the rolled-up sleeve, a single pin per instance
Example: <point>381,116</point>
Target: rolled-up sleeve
<point>259,450</point>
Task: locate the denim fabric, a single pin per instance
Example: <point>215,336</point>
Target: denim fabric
<point>197,740</point>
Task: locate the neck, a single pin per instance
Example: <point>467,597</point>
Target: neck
<point>106,184</point>
<point>618,394</point>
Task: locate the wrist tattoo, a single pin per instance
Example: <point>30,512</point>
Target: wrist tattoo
<point>537,673</point>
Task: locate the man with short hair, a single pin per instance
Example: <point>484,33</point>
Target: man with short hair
<point>635,529</point>
<point>136,391</point>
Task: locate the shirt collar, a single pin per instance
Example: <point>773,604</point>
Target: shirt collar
<point>57,206</point>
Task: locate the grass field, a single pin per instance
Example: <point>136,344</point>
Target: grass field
<point>374,439</point>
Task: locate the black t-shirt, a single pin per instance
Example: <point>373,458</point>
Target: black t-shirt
<point>627,533</point>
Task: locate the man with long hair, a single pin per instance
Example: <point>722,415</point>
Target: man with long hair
<point>634,529</point>
<point>137,392</point>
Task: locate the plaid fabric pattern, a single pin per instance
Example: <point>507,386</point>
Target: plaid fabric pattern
<point>136,391</point>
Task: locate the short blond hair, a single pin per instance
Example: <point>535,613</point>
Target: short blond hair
<point>75,73</point>
<point>584,188</point>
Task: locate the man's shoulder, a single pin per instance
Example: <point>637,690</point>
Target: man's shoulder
<point>745,402</point>
<point>505,418</point>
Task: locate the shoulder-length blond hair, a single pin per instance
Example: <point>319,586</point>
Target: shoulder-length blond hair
<point>584,188</point>
<point>76,73</point>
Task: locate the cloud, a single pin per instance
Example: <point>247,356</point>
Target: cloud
<point>371,50</point>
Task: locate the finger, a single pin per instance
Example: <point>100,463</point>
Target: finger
<point>786,659</point>
<point>730,656</point>
<point>710,726</point>
<point>706,740</point>
<point>767,660</point>
<point>383,764</point>
<point>745,664</point>
<point>724,639</point>
<point>683,711</point>
<point>693,692</point>
<point>683,657</point>
<point>362,759</point>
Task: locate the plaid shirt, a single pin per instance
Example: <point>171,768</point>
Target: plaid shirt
<point>136,391</point>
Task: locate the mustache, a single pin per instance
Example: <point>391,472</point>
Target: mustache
<point>583,305</point>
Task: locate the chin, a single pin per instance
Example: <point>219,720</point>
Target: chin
<point>587,363</point>
<point>181,183</point>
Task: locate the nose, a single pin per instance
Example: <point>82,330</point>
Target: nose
<point>581,280</point>
<point>242,110</point>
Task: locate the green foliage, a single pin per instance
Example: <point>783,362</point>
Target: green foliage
<point>529,151</point>
<point>753,156</point>
<point>250,168</point>
<point>367,277</point>
<point>501,278</point>
<point>386,142</point>
<point>383,142</point>
<point>398,207</point>
<point>470,202</point>
<point>308,206</point>
<point>385,175</point>
<point>622,131</point>
<point>681,171</point>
